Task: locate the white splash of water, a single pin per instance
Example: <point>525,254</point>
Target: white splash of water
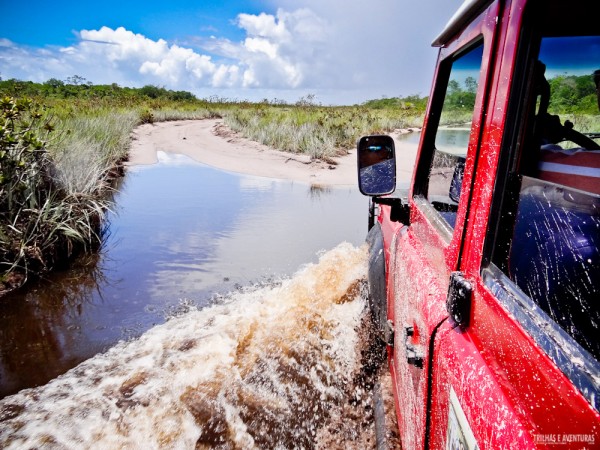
<point>273,367</point>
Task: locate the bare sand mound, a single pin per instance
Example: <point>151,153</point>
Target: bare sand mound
<point>210,142</point>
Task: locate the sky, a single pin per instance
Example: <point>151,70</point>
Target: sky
<point>339,51</point>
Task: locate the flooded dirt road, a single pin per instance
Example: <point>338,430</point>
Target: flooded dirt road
<point>222,312</point>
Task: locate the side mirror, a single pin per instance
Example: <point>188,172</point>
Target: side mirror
<point>376,157</point>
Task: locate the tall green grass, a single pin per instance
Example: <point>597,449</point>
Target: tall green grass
<point>58,161</point>
<point>89,149</point>
<point>321,132</point>
<point>96,134</point>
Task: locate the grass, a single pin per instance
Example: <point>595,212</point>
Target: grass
<point>96,133</point>
<point>89,148</point>
<point>41,223</point>
<point>321,132</point>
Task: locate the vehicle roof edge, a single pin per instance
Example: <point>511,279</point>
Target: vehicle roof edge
<point>462,16</point>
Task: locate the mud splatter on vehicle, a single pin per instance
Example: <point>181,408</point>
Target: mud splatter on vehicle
<point>484,275</point>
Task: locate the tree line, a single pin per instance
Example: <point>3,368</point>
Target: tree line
<point>569,95</point>
<point>78,87</point>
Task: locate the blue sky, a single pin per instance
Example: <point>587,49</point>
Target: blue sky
<point>342,51</point>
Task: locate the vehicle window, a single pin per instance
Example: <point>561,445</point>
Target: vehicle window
<point>452,136</point>
<point>548,240</point>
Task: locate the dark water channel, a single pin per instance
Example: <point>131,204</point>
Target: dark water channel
<point>180,234</point>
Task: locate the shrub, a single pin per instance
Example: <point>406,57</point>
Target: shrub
<point>146,116</point>
<point>25,166</point>
<point>40,224</point>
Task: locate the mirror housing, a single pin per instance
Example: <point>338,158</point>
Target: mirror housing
<point>376,159</point>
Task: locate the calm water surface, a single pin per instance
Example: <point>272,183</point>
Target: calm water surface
<point>181,233</point>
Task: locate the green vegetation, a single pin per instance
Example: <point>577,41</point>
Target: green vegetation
<point>62,144</point>
<point>459,103</point>
<point>41,224</point>
<point>572,98</point>
<point>570,95</point>
<point>61,147</point>
<point>85,112</point>
<point>412,102</point>
<point>321,132</point>
<point>573,95</point>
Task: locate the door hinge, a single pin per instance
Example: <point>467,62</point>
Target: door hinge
<point>458,302</point>
<point>400,211</point>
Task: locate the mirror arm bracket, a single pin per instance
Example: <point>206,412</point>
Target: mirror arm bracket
<point>400,210</point>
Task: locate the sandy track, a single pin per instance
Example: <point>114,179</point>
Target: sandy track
<point>210,142</point>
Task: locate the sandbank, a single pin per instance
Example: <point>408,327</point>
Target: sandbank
<point>210,142</point>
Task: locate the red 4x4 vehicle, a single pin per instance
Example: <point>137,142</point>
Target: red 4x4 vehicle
<point>485,274</point>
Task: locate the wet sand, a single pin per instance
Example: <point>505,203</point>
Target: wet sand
<point>210,142</point>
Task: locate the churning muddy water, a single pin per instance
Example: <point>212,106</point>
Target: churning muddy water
<point>276,366</point>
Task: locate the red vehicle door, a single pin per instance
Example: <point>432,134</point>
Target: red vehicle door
<point>424,255</point>
<point>517,365</point>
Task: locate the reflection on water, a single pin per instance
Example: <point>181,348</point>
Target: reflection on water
<point>181,233</point>
<point>452,140</point>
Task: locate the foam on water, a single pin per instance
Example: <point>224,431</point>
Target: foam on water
<point>269,367</point>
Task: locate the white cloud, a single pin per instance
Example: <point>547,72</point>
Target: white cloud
<point>342,51</point>
<point>279,50</point>
<point>264,25</point>
<point>226,77</point>
<point>272,56</point>
<point>156,61</point>
<point>376,47</point>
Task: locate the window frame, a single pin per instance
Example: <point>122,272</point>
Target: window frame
<point>428,149</point>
